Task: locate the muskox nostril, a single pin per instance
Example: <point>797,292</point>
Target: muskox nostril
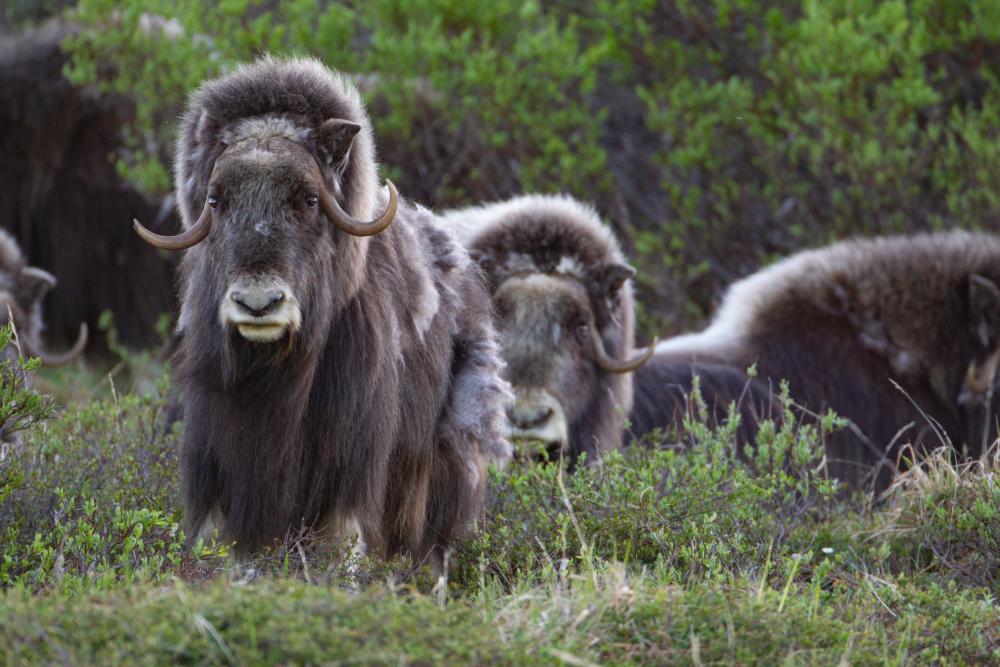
<point>257,303</point>
<point>529,416</point>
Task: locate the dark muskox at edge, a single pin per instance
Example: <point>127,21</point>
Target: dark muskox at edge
<point>338,363</point>
<point>847,323</point>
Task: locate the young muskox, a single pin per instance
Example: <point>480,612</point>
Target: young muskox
<point>22,289</point>
<point>843,323</point>
<point>564,303</point>
<point>336,373</point>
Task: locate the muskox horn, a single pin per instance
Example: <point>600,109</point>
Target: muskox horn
<point>605,362</point>
<point>193,236</point>
<point>352,226</point>
<point>50,359</point>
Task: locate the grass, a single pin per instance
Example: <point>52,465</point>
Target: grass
<point>682,554</point>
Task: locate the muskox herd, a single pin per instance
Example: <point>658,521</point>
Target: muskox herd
<point>350,363</point>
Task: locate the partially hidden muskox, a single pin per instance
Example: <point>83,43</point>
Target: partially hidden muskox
<point>901,335</point>
<point>22,290</point>
<point>63,200</point>
<point>562,292</point>
<point>337,374</point>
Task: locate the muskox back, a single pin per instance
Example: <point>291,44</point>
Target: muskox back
<point>561,288</point>
<point>848,323</point>
<point>338,373</point>
<point>664,397</point>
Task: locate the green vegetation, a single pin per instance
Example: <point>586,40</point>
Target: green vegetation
<point>688,553</point>
<point>713,135</point>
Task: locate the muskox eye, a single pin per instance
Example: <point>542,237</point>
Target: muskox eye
<point>213,202</point>
<point>582,333</point>
<point>311,201</point>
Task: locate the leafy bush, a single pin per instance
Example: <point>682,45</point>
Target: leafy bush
<point>92,497</point>
<point>714,135</point>
<point>698,510</point>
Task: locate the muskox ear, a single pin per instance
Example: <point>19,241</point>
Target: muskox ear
<point>612,276</point>
<point>334,139</point>
<point>33,284</point>
<point>984,302</point>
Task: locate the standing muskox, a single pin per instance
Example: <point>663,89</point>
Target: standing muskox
<point>336,373</point>
<point>846,323</point>
<point>562,291</point>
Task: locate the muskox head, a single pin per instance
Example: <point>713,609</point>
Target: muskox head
<point>555,348</point>
<point>976,393</point>
<point>563,298</point>
<point>22,289</point>
<point>274,239</point>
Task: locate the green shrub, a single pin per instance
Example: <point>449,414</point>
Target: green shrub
<point>697,510</point>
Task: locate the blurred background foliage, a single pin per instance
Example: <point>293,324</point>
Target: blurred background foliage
<point>714,135</point>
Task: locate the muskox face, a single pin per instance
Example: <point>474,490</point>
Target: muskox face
<point>270,251</point>
<point>555,351</point>
<point>982,342</point>
<point>270,237</point>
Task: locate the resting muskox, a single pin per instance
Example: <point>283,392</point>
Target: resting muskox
<point>846,322</point>
<point>561,289</point>
<point>22,289</point>
<point>336,373</point>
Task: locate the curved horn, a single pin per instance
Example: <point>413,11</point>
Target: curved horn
<point>343,221</point>
<point>197,233</point>
<point>605,362</point>
<point>62,358</point>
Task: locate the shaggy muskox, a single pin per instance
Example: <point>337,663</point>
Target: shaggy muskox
<point>22,289</point>
<point>561,289</point>
<point>847,323</point>
<point>61,198</point>
<point>337,374</point>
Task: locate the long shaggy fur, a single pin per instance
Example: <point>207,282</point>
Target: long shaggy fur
<point>560,236</point>
<point>842,323</point>
<point>384,409</point>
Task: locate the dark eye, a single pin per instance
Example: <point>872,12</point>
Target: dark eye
<point>582,333</point>
<point>213,201</point>
<point>311,201</point>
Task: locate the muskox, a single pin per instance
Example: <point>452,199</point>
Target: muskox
<point>900,335</point>
<point>22,289</point>
<point>337,374</point>
<point>63,200</point>
<point>562,292</point>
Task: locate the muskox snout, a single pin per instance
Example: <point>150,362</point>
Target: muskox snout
<point>526,416</point>
<point>262,309</point>
<point>257,302</point>
<point>535,414</point>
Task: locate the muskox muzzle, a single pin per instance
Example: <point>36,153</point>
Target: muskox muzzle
<point>262,310</point>
<point>536,415</point>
